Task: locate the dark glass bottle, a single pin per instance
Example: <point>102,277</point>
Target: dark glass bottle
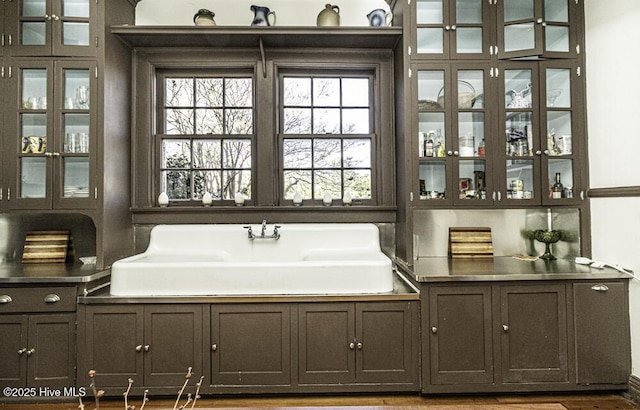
<point>557,190</point>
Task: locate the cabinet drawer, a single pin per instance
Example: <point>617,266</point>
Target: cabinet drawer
<point>40,299</point>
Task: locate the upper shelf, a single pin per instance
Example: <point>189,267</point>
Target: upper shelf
<point>280,37</point>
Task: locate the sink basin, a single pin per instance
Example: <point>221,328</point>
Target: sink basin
<point>189,260</point>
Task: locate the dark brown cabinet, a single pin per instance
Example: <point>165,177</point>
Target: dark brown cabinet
<point>52,151</point>
<point>152,344</point>
<point>363,343</point>
<point>533,329</point>
<point>250,345</point>
<point>601,320</point>
<point>510,336</point>
<point>459,337</point>
<point>37,350</point>
<point>37,336</point>
<point>51,28</point>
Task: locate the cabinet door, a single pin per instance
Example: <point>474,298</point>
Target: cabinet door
<point>13,348</point>
<point>533,332</point>
<point>3,131</point>
<point>460,340</point>
<point>386,343</point>
<point>602,332</point>
<point>442,29</point>
<point>114,345</point>
<point>53,145</point>
<point>53,28</point>
<point>250,344</point>
<point>327,343</point>
<point>538,28</point>
<point>51,351</point>
<point>172,344</point>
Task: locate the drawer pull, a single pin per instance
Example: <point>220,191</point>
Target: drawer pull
<point>21,351</point>
<point>139,348</point>
<point>52,298</point>
<point>30,352</point>
<point>434,330</point>
<point>600,288</point>
<point>505,328</point>
<point>5,299</point>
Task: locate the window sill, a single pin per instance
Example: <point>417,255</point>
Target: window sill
<point>250,214</point>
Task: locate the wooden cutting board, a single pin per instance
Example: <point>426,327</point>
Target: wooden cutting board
<point>47,247</point>
<point>473,242</point>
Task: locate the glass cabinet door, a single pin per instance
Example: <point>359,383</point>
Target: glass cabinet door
<point>55,146</point>
<point>34,137</point>
<point>451,29</point>
<point>431,138</point>
<point>61,28</point>
<point>521,152</point>
<point>537,28</point>
<point>452,137</point>
<point>563,141</point>
<point>76,133</point>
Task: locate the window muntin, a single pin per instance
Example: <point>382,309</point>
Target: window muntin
<point>206,133</point>
<point>327,141</point>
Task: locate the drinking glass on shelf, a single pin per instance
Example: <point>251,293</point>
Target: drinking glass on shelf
<point>82,97</point>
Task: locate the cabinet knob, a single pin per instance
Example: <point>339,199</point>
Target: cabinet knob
<point>434,330</point>
<point>30,352</point>
<point>600,288</point>
<point>352,345</point>
<point>139,348</point>
<point>214,347</point>
<point>21,351</point>
<point>453,27</point>
<point>447,27</point>
<point>539,21</point>
<point>449,153</point>
<point>546,152</point>
<point>55,17</point>
<point>505,328</point>
<point>52,298</point>
<point>538,152</point>
<point>359,345</point>
<point>146,348</point>
<point>5,299</point>
<point>456,153</point>
<point>47,17</point>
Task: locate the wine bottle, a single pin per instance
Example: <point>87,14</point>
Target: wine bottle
<point>481,148</point>
<point>557,190</point>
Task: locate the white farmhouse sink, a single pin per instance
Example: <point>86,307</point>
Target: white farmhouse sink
<point>221,260</point>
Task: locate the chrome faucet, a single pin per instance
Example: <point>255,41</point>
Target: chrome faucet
<point>264,228</point>
<point>263,232</point>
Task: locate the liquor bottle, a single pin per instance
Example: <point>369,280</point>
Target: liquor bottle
<point>428,145</point>
<point>557,190</point>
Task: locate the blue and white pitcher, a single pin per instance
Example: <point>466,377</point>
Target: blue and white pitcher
<point>261,16</point>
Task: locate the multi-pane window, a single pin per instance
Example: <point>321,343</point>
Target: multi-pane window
<point>327,135</point>
<point>205,135</point>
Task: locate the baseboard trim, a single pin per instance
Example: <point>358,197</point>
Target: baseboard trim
<point>634,389</point>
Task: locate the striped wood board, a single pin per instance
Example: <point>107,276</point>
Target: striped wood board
<point>47,247</point>
<point>473,242</point>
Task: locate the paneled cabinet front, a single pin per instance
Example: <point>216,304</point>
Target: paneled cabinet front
<point>38,350</point>
<point>51,154</point>
<point>249,345</point>
<point>51,27</point>
<point>482,338</point>
<point>363,343</point>
<point>152,344</point>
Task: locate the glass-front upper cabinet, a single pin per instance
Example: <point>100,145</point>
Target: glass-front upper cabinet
<point>3,88</point>
<point>543,140</point>
<point>546,28</point>
<point>54,143</point>
<point>444,29</point>
<point>453,139</point>
<point>52,27</point>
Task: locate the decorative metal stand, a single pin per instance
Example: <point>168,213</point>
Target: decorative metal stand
<point>547,237</point>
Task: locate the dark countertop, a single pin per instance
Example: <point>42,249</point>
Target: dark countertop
<point>444,269</point>
<point>50,273</point>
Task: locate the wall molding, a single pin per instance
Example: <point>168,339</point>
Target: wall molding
<point>614,192</point>
<point>633,393</point>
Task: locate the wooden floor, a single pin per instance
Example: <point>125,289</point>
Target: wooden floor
<point>381,402</point>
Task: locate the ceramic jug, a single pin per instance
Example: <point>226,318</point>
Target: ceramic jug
<point>379,18</point>
<point>204,17</point>
<point>261,16</point>
<point>329,17</point>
